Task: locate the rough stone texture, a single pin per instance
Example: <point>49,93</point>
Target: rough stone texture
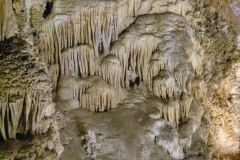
<point>164,75</point>
<point>25,90</point>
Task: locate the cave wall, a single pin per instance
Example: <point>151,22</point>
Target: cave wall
<point>91,53</point>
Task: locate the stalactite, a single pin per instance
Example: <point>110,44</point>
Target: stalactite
<point>3,107</point>
<point>8,25</point>
<point>156,64</point>
<point>185,105</point>
<point>140,54</point>
<point>22,113</point>
<point>170,111</point>
<point>119,51</point>
<point>78,61</point>
<point>181,74</point>
<point>165,86</point>
<point>177,113</point>
<point>48,44</point>
<point>54,73</point>
<point>199,88</point>
<point>196,60</point>
<point>100,97</point>
<point>87,26</point>
<point>72,43</point>
<point>81,85</point>
<point>111,70</point>
<point>106,39</point>
<point>14,110</point>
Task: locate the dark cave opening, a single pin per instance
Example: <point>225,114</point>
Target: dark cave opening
<point>24,137</point>
<point>48,9</point>
<point>135,82</point>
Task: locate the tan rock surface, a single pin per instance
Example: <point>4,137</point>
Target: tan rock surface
<point>164,75</point>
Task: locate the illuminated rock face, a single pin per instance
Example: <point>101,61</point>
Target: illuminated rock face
<point>26,101</point>
<point>152,68</point>
<point>7,20</point>
<point>151,50</point>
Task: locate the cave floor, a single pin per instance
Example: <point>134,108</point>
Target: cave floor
<point>126,132</point>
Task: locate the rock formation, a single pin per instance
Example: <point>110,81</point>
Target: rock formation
<point>163,75</point>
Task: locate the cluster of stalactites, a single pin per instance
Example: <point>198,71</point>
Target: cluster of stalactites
<point>165,86</point>
<point>161,61</point>
<point>136,54</point>
<point>93,27</point>
<point>165,67</point>
<point>199,88</point>
<point>77,61</point>
<point>170,112</point>
<point>80,85</point>
<point>23,113</point>
<point>7,20</point>
<point>96,95</point>
<point>144,57</point>
<point>174,110</point>
<point>92,92</point>
<point>74,62</point>
<point>96,27</point>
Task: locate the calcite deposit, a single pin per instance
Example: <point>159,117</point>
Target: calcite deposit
<point>119,79</point>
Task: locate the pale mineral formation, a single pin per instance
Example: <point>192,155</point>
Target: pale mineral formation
<point>119,79</point>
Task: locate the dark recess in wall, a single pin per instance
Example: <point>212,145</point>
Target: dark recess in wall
<point>48,9</point>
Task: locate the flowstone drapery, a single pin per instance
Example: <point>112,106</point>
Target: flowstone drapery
<point>145,66</point>
<point>160,49</point>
